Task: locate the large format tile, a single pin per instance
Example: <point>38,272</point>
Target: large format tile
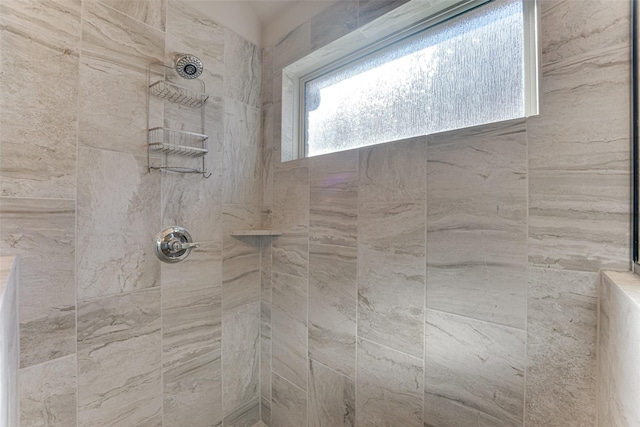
<point>243,66</point>
<point>391,275</point>
<point>289,328</point>
<point>389,388</point>
<point>151,12</point>
<point>48,393</point>
<point>242,153</point>
<point>393,172</point>
<point>474,372</point>
<point>119,359</point>
<point>41,232</point>
<point>292,47</point>
<point>332,398</point>
<point>332,307</point>
<point>118,217</point>
<point>579,164</point>
<point>569,27</point>
<point>561,348</point>
<point>247,415</point>
<point>241,273</point>
<point>240,356</point>
<point>193,393</point>
<point>192,305</point>
<point>337,20</point>
<point>289,406</point>
<point>369,10</point>
<point>39,85</point>
<point>111,37</point>
<point>333,199</point>
<point>9,340</point>
<point>477,223</point>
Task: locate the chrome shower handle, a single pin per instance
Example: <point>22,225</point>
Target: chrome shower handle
<point>173,244</point>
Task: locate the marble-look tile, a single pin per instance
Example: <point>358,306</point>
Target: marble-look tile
<point>247,415</point>
<point>289,405</point>
<point>118,217</point>
<point>391,275</point>
<point>561,348</point>
<point>369,10</point>
<point>42,233</point>
<point>332,398</point>
<point>240,356</point>
<point>241,273</point>
<point>112,105</point>
<point>265,411</point>
<point>477,223</point>
<point>119,359</point>
<point>242,154</point>
<point>474,374</point>
<point>569,28</point>
<point>191,305</point>
<point>193,392</point>
<point>38,81</point>
<point>332,307</point>
<point>9,340</point>
<point>265,365</point>
<point>268,152</point>
<point>337,20</point>
<point>289,333</point>
<point>333,199</point>
<point>620,387</point>
<point>48,393</point>
<point>291,254</point>
<point>579,165</point>
<point>265,319</point>
<point>243,67</point>
<point>111,37</point>
<point>389,388</point>
<point>266,87</point>
<point>151,12</point>
<point>185,196</point>
<point>393,172</point>
<point>292,47</point>
<point>186,30</point>
<point>151,422</point>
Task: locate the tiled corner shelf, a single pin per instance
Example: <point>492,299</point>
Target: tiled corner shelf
<point>256,233</point>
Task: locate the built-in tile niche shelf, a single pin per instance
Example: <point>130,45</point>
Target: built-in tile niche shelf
<point>175,142</point>
<point>240,233</point>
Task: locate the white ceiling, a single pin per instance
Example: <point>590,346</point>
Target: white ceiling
<point>268,10</point>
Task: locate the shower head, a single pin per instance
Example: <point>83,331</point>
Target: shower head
<point>187,66</point>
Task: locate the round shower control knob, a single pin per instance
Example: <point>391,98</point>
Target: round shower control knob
<point>173,244</point>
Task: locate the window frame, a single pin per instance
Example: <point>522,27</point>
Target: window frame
<point>329,58</point>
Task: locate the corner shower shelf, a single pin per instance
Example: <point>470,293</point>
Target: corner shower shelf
<point>240,233</point>
<point>178,94</point>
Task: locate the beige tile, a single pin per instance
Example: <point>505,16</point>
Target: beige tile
<point>291,200</point>
<point>48,393</point>
<point>369,10</point>
<point>561,348</point>
<point>39,86</point>
<point>569,27</point>
<point>151,12</point>
<point>335,21</point>
<point>289,406</point>
<point>268,153</point>
<point>118,218</point>
<point>119,359</point>
<point>192,306</point>
<point>247,415</point>
<point>242,154</point>
<point>332,398</point>
<point>474,374</point>
<point>193,392</point>
<point>42,233</point>
<point>111,37</point>
<point>391,275</point>
<point>389,388</point>
<point>292,47</point>
<point>477,223</point>
<point>265,412</point>
<point>579,165</point>
<point>393,172</point>
<point>243,67</point>
<point>10,340</point>
<point>289,323</point>
<point>332,307</point>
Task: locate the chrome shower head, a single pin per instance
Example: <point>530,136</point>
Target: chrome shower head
<point>187,66</point>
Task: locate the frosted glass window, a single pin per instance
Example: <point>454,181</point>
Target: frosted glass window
<point>463,72</point>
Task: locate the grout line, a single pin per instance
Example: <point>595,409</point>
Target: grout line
<point>424,309</point>
<point>357,302</point>
<point>330,369</point>
<point>527,267</point>
<point>283,378</point>
<point>389,348</point>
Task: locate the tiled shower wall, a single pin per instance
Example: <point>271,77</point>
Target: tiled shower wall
<point>109,336</point>
<point>450,280</point>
